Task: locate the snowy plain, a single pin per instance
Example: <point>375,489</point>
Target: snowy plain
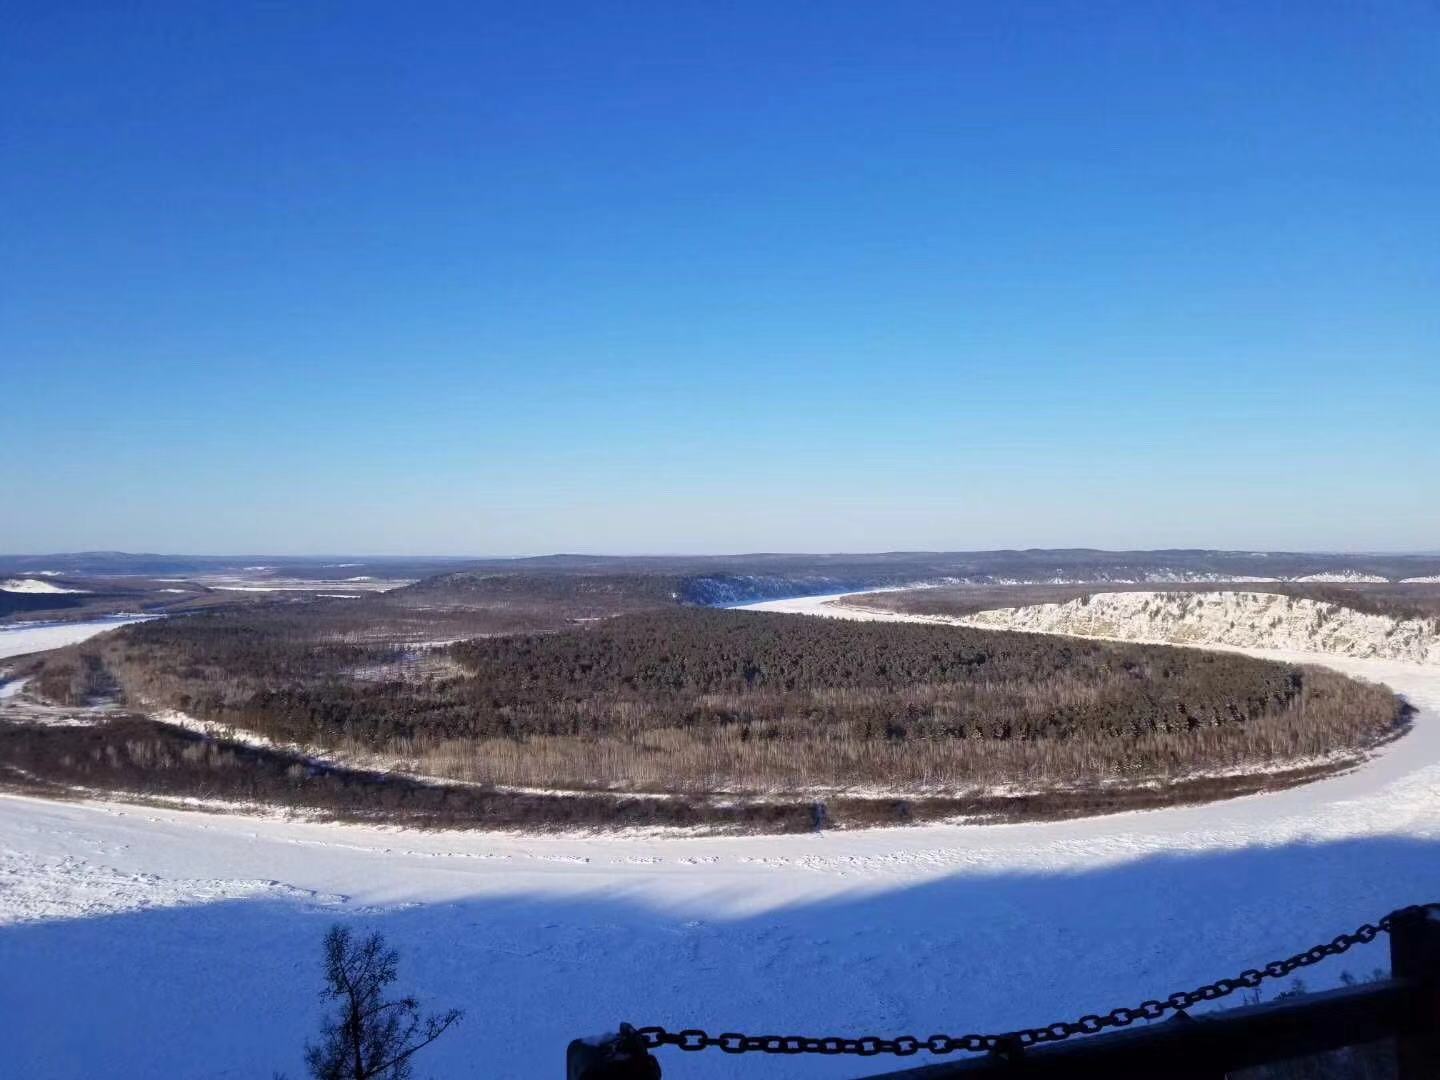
<point>155,943</point>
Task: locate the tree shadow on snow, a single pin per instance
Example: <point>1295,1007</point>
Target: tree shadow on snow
<point>229,989</point>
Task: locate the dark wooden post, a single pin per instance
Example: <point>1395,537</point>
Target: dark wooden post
<point>1415,955</point>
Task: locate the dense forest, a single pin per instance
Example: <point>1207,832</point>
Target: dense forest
<point>693,700</point>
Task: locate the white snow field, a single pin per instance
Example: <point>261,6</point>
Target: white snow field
<point>163,943</point>
<point>33,585</point>
<point>35,637</point>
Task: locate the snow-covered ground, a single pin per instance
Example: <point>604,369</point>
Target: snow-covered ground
<point>33,585</point>
<point>1247,621</point>
<point>34,637</point>
<point>1244,619</point>
<point>285,584</point>
<point>157,943</point>
<point>1348,577</point>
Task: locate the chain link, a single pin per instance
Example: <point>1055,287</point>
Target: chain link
<point>732,1042</point>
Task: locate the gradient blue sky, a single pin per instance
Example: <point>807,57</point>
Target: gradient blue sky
<point>512,278</point>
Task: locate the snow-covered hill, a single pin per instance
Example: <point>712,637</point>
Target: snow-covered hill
<point>34,586</point>
<point>1242,619</point>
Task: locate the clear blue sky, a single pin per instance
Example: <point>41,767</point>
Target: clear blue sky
<point>510,278</point>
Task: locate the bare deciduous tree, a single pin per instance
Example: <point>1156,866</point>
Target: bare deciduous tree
<point>368,1036</point>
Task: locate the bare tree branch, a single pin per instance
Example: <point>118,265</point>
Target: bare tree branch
<point>370,1036</point>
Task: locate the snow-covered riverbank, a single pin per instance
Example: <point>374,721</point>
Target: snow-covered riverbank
<point>1237,619</point>
<point>157,943</point>
<point>1245,619</point>
<point>21,638</point>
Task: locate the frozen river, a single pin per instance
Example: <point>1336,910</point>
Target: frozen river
<point>159,943</point>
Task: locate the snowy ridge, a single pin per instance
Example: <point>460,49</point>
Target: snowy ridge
<point>1243,619</point>
<point>1345,577</point>
<point>731,590</point>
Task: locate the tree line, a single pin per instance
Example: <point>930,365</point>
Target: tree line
<point>701,700</point>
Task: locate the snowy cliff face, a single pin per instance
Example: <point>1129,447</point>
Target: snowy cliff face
<point>1245,619</point>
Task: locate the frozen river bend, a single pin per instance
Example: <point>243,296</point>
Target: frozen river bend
<point>156,943</point>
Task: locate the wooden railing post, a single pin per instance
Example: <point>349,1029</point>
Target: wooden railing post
<point>1405,1007</point>
<point>1415,955</point>
<point>617,1056</point>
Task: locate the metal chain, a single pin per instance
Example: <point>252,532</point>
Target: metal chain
<point>904,1045</point>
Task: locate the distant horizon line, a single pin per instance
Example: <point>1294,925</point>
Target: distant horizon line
<point>1250,551</point>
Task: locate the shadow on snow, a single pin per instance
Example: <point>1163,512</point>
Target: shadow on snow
<point>229,989</point>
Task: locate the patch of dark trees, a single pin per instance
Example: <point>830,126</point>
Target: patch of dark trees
<point>701,669</point>
<point>740,676</point>
<point>738,717</point>
<point>146,758</point>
